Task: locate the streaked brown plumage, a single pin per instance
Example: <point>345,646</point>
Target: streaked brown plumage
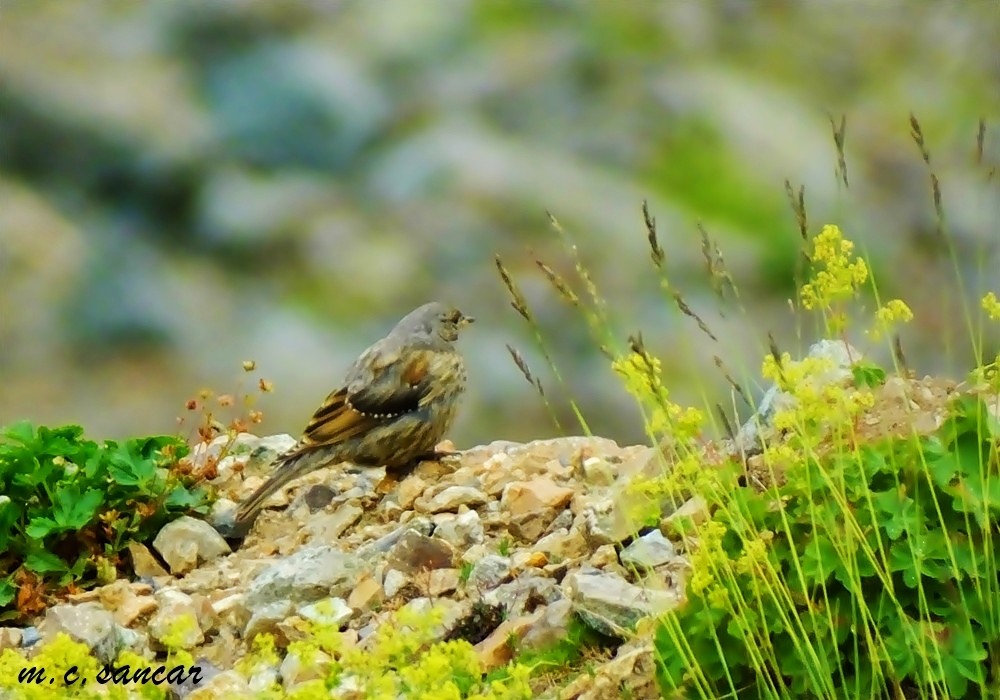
<point>396,404</point>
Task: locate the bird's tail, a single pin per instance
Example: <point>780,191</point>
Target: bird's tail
<point>291,467</point>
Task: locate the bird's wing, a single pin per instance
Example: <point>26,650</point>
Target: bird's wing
<point>380,386</point>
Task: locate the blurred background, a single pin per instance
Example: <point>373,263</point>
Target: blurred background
<point>185,185</point>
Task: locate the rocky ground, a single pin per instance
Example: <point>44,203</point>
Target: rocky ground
<point>514,541</point>
<point>533,530</point>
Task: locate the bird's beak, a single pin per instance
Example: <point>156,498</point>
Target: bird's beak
<point>466,320</point>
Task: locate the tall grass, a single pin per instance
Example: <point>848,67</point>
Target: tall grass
<point>849,548</point>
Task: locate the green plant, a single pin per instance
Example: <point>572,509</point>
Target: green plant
<point>71,505</point>
<point>850,552</point>
<point>876,576</point>
<point>403,660</point>
<point>554,663</point>
<point>846,564</point>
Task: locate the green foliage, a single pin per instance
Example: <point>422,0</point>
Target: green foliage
<point>562,656</point>
<point>403,660</point>
<point>70,505</point>
<point>868,375</point>
<point>879,577</point>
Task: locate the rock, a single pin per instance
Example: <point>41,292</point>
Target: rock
<point>231,610</point>
<point>265,620</point>
<point>415,552</point>
<point>87,623</point>
<point>496,650</point>
<point>177,618</point>
<point>526,559</point>
<point>611,605</point>
<point>10,638</point>
<point>422,526</point>
<point>30,636</point>
<point>600,522</point>
<point>225,445</point>
<point>394,582</point>
<point>186,542</point>
<point>450,499</point>
<point>528,527</point>
<point>366,593</point>
<point>562,544</point>
<point>524,594</point>
<point>127,601</point>
<point>489,572</point>
<point>694,509</point>
<point>538,495</point>
<point>648,551</point>
<point>294,669</point>
<point>442,581</point>
<point>759,427</point>
<point>265,450</point>
<point>263,681</point>
<point>307,575</point>
<point>460,531</point>
<point>409,490</point>
<point>228,684</point>
<point>330,612</point>
<point>318,497</point>
<point>328,527</point>
<point>632,674</point>
<point>551,627</point>
<point>207,671</point>
<point>604,556</point>
<point>144,564</point>
<point>597,471</point>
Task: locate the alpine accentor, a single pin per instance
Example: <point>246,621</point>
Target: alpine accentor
<point>395,405</point>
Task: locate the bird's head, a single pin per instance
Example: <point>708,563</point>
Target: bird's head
<point>436,319</point>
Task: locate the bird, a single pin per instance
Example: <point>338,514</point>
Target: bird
<point>394,406</point>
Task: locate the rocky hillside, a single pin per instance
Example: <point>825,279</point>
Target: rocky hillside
<point>511,540</point>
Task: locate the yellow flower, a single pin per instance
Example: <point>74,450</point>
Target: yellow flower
<point>837,276</point>
<point>892,313</point>
<point>992,306</point>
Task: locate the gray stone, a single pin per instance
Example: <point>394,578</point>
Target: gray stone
<point>524,594</point>
<point>308,575</point>
<point>422,526</point>
<point>415,552</point>
<point>489,572</point>
<point>87,623</point>
<point>265,619</point>
<point>648,551</point>
<point>332,612</point>
<point>330,526</point>
<point>187,542</point>
<point>551,628</point>
<point>174,604</point>
<point>462,531</point>
<point>610,604</point>
<point>450,499</point>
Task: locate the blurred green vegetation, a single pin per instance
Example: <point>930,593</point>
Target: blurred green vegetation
<point>187,184</point>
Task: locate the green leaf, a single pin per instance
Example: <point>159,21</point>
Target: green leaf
<point>7,591</point>
<point>129,469</point>
<point>41,527</point>
<point>182,498</point>
<point>74,510</point>
<point>22,432</point>
<point>902,514</point>
<point>43,562</point>
<point>868,375</point>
